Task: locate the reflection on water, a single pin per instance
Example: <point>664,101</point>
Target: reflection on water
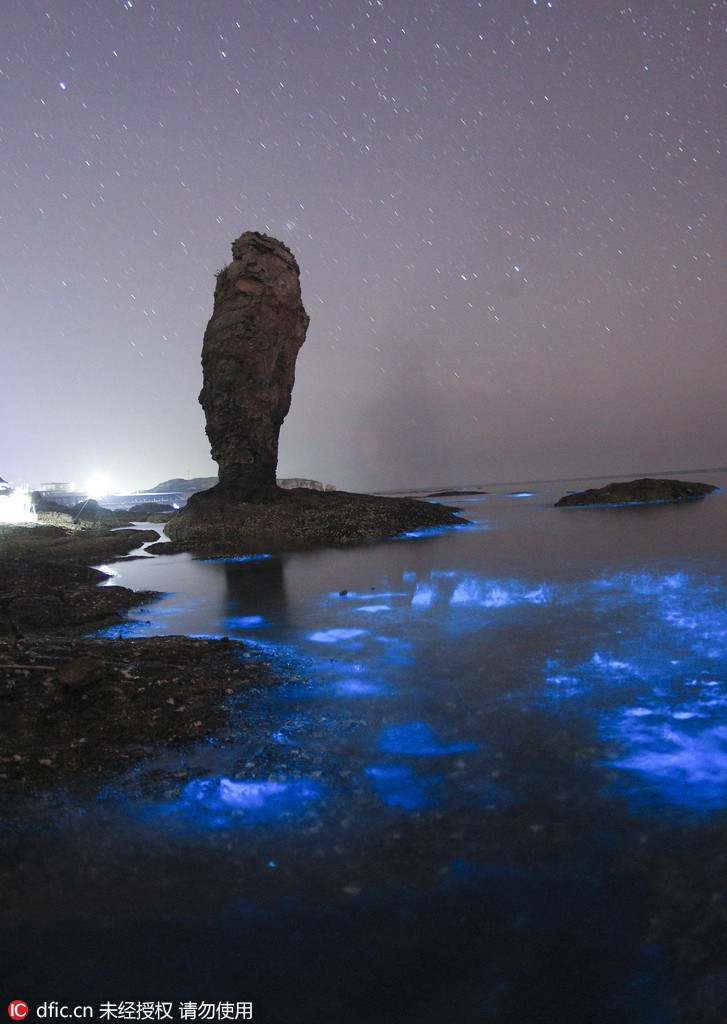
<point>484,717</point>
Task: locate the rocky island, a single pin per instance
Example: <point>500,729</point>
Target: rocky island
<point>646,491</point>
<point>249,351</point>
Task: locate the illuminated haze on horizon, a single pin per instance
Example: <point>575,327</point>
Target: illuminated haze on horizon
<point>510,219</point>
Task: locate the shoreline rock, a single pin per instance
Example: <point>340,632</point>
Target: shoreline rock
<point>645,491</point>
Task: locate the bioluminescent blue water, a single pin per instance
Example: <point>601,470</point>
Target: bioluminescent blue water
<point>217,802</point>
<point>400,786</point>
<point>477,733</point>
<point>418,738</point>
<point>430,622</point>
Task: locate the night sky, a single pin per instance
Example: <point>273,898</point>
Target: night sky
<point>510,217</point>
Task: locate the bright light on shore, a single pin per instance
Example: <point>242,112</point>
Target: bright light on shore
<point>99,486</point>
<point>15,508</point>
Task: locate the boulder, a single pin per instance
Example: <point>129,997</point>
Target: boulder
<point>89,511</point>
<point>41,504</point>
<point>646,491</point>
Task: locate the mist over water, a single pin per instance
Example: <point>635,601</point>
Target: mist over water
<point>448,808</point>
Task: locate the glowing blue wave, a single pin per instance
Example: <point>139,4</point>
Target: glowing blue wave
<point>222,801</point>
<point>419,739</point>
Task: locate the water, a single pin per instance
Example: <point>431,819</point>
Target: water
<point>492,788</point>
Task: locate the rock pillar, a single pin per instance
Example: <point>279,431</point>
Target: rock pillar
<point>258,324</point>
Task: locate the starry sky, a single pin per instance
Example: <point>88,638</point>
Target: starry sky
<point>510,217</point>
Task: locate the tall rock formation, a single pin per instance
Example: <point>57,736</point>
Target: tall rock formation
<point>258,324</point>
<point>248,362</point>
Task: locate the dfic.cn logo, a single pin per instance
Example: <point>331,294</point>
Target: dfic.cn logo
<point>18,1010</point>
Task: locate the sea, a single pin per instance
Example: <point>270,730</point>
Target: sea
<point>489,786</point>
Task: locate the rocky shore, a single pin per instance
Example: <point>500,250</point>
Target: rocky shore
<point>77,709</point>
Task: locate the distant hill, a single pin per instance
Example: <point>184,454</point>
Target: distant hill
<point>203,483</point>
<point>198,483</point>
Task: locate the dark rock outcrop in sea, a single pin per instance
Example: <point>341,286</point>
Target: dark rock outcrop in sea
<point>646,491</point>
<point>250,346</point>
<point>296,520</point>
